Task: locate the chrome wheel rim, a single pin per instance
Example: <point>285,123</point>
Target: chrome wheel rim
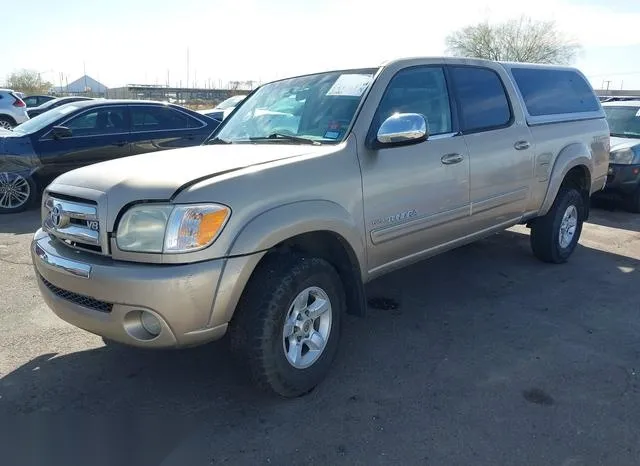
<point>5,124</point>
<point>14,190</point>
<point>568,226</point>
<point>307,326</point>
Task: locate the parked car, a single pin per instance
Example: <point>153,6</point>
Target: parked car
<point>13,110</point>
<point>54,103</point>
<point>270,231</point>
<point>37,100</point>
<point>85,132</point>
<point>623,180</point>
<point>224,108</point>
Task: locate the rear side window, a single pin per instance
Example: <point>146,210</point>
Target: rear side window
<point>554,92</point>
<point>156,118</point>
<point>482,99</point>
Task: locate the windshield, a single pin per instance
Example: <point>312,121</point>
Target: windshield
<point>623,121</point>
<point>44,119</point>
<point>230,102</point>
<point>317,108</point>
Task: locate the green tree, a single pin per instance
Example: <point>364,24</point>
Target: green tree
<point>521,40</point>
<point>28,81</point>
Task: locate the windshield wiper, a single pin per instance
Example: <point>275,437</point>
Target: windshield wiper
<point>285,137</point>
<point>218,141</point>
<point>626,135</point>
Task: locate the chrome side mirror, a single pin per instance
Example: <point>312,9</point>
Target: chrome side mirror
<point>402,128</point>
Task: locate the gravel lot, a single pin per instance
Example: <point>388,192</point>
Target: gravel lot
<point>490,358</point>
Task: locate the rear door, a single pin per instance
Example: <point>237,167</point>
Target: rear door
<point>500,146</point>
<point>97,134</point>
<point>160,127</point>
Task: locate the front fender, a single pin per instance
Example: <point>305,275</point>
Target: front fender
<point>283,222</point>
<point>571,156</point>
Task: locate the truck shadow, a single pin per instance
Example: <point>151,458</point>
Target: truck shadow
<point>447,327</point>
<point>22,223</point>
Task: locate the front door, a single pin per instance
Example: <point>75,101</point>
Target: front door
<point>97,134</point>
<point>500,147</point>
<point>416,197</point>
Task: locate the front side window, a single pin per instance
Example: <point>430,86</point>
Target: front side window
<point>420,90</point>
<point>623,121</point>
<point>554,92</point>
<point>156,118</point>
<point>317,108</point>
<point>483,102</point>
<point>98,122</point>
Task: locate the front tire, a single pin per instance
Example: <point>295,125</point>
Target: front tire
<point>17,192</point>
<point>288,323</point>
<point>555,235</point>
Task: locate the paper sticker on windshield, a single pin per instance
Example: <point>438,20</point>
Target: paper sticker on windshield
<point>352,85</point>
<point>638,114</point>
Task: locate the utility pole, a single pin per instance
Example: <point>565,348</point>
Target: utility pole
<point>608,83</point>
<point>187,66</point>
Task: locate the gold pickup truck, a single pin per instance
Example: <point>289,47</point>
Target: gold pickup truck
<point>311,187</point>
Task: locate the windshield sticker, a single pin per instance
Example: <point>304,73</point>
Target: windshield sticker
<point>351,85</point>
<point>638,114</point>
<point>332,135</point>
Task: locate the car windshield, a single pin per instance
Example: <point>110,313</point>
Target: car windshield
<point>44,119</point>
<point>623,121</point>
<point>230,102</point>
<point>317,108</point>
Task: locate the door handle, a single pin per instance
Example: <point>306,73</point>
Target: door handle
<point>450,159</point>
<point>522,145</point>
<point>120,143</point>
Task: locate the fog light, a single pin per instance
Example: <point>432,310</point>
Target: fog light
<point>150,323</point>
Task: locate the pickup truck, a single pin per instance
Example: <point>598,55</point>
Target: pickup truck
<point>313,186</point>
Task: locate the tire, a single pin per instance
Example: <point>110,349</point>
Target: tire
<point>258,329</point>
<point>19,200</point>
<point>6,122</point>
<point>633,202</point>
<point>546,241</point>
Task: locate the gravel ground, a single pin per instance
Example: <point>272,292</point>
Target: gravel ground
<point>487,357</point>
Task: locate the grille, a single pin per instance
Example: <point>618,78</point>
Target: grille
<point>79,299</point>
<point>74,221</point>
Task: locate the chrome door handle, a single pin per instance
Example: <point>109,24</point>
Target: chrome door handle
<point>450,159</point>
<point>522,145</point>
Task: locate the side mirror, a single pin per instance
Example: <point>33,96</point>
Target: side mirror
<point>59,132</point>
<point>403,128</point>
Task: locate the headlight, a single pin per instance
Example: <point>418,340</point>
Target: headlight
<point>624,157</point>
<point>158,228</point>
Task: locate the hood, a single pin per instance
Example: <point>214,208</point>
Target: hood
<point>618,143</point>
<point>158,175</point>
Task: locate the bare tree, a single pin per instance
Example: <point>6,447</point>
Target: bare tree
<point>28,81</point>
<point>521,40</point>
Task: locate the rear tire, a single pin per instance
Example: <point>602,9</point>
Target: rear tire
<point>6,122</point>
<point>287,326</point>
<point>633,202</point>
<point>555,235</point>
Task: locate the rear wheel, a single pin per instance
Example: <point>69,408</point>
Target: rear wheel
<point>17,192</point>
<point>555,235</point>
<point>6,122</point>
<point>287,327</point>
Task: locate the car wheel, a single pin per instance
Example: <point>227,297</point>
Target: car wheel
<point>555,235</point>
<point>17,192</point>
<point>6,122</point>
<point>288,323</point>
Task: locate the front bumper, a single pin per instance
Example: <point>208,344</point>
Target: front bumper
<point>622,180</point>
<point>105,297</point>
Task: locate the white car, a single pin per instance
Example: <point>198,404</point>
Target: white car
<point>224,108</point>
<point>13,110</point>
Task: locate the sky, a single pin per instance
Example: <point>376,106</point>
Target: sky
<point>122,42</point>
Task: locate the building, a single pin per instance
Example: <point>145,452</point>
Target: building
<point>85,85</point>
<point>171,94</point>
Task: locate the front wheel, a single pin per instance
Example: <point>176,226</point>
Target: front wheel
<point>555,235</point>
<point>17,192</point>
<point>288,323</point>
